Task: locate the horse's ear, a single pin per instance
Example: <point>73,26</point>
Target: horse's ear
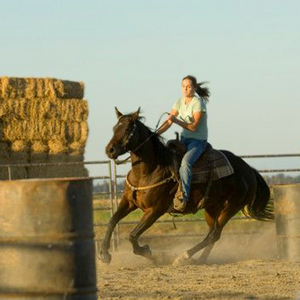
<point>136,114</point>
<point>119,115</point>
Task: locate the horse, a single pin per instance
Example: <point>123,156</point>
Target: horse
<point>150,186</point>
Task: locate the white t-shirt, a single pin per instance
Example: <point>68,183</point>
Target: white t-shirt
<point>186,114</point>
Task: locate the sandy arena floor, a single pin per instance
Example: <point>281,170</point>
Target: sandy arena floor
<point>239,268</point>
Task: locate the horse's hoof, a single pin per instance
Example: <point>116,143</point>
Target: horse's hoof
<point>182,259</point>
<point>145,251</point>
<point>105,257</point>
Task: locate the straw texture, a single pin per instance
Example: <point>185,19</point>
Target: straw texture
<point>14,87</point>
<point>42,120</point>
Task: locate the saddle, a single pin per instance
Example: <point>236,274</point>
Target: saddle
<point>211,165</point>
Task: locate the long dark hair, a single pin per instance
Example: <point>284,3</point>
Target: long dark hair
<point>203,92</point>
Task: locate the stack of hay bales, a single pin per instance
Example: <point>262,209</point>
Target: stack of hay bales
<point>42,120</point>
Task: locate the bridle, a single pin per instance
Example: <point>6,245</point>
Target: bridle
<point>128,138</point>
<point>130,135</point>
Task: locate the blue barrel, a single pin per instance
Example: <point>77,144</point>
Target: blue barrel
<point>47,248</point>
<point>287,218</point>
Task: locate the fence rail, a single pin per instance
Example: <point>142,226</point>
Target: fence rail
<point>112,176</point>
<point>120,176</point>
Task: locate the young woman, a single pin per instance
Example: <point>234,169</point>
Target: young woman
<point>189,112</point>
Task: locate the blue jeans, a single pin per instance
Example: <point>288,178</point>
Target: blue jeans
<point>194,149</point>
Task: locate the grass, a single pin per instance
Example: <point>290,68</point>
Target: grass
<point>103,216</point>
<point>193,226</point>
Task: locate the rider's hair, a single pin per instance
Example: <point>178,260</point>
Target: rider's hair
<point>203,92</point>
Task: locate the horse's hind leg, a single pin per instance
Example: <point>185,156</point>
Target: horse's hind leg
<point>123,210</point>
<point>213,235</point>
<point>204,256</point>
<point>210,218</point>
<point>148,219</point>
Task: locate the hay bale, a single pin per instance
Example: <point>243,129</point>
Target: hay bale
<point>12,129</point>
<point>77,133</point>
<point>25,109</point>
<point>76,149</point>
<point>57,171</point>
<point>17,108</point>
<point>37,158</point>
<point>77,170</point>
<point>38,147</point>
<point>4,159</point>
<point>75,158</point>
<point>69,110</point>
<point>57,146</point>
<point>57,154</point>
<point>32,130</point>
<point>5,88</point>
<point>76,154</point>
<point>4,109</point>
<point>37,171</point>
<point>42,120</point>
<point>19,158</point>
<point>38,154</point>
<point>3,147</point>
<point>30,88</point>
<point>19,146</point>
<point>19,155</point>
<point>70,89</point>
<point>84,132</point>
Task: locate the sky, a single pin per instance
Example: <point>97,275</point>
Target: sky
<point>134,53</point>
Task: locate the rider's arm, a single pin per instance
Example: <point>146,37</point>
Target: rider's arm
<point>189,126</point>
<point>168,122</point>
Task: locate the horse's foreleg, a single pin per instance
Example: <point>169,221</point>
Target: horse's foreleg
<point>149,217</point>
<point>123,210</point>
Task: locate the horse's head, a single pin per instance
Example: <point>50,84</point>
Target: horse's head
<point>125,135</point>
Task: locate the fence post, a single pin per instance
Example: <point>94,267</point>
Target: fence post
<point>287,217</point>
<point>9,172</point>
<point>112,205</point>
<point>117,236</point>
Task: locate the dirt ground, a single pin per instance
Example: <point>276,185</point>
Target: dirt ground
<point>240,267</point>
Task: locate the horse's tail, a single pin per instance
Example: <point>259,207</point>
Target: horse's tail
<point>261,208</point>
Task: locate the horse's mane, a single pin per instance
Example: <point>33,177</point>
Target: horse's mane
<point>164,153</point>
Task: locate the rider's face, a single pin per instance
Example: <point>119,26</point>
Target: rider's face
<point>187,88</point>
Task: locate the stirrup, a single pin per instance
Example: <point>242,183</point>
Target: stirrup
<point>179,200</point>
<point>179,204</point>
<point>179,192</point>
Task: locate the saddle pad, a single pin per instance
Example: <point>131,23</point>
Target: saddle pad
<point>211,161</point>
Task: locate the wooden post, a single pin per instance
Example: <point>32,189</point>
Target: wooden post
<point>287,217</point>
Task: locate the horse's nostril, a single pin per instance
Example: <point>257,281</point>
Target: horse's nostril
<point>111,150</point>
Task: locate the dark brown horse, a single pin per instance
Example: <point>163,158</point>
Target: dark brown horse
<point>149,186</point>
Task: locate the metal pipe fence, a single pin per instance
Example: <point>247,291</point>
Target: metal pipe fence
<point>112,177</point>
<point>179,220</point>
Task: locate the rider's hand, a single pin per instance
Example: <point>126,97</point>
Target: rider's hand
<point>171,118</point>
